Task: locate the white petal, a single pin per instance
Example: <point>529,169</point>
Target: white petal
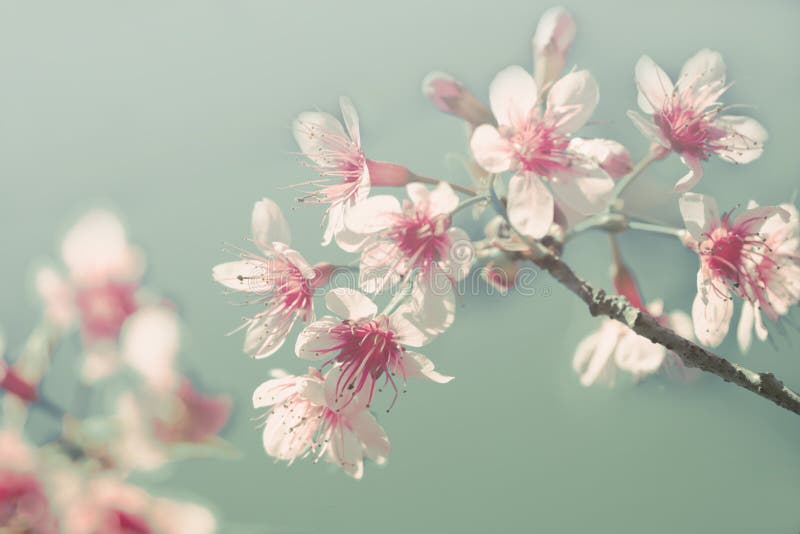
<point>655,87</point>
<point>372,215</point>
<point>648,128</point>
<point>512,95</point>
<point>266,336</point>
<point>744,332</point>
<point>704,68</point>
<point>310,129</point>
<point>415,365</point>
<point>638,355</point>
<point>275,391</point>
<point>745,140</point>
<point>429,311</point>
<point>586,194</point>
<point>593,354</point>
<point>241,276</point>
<point>572,101</point>
<point>699,213</point>
<point>349,303</point>
<point>711,315</point>
<point>382,265</point>
<point>372,436</point>
<point>490,150</point>
<point>269,224</point>
<point>350,117</point>
<point>296,259</point>
<point>530,206</point>
<point>346,450</point>
<point>443,199</point>
<point>690,179</point>
<point>409,329</point>
<point>315,341</point>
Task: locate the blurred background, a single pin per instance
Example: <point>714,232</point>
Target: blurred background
<point>177,115</point>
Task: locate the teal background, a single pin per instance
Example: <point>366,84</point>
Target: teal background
<point>177,113</point>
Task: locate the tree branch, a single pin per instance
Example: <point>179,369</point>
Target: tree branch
<point>617,307</point>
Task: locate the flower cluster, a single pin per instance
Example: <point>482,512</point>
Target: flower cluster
<point>546,181</point>
<point>78,482</point>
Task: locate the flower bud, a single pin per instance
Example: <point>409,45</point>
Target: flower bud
<point>450,96</point>
<point>623,279</point>
<point>609,155</point>
<point>551,42</point>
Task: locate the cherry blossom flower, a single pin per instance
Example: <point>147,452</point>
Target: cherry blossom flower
<point>783,279</point>
<point>307,417</point>
<point>104,272</point>
<point>346,175</point>
<point>279,278</point>
<point>24,503</point>
<point>551,43</point>
<point>615,347</point>
<point>369,346</point>
<point>395,239</point>
<point>688,119</point>
<point>536,147</point>
<point>753,256</point>
<point>105,504</point>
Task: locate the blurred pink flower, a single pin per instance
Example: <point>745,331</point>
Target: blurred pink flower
<point>536,147</point>
<point>104,272</point>
<point>279,278</point>
<point>105,504</point>
<point>367,346</point>
<point>615,347</point>
<point>306,416</point>
<point>687,117</point>
<point>24,504</point>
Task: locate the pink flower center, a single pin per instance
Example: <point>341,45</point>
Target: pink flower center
<point>734,255</point>
<point>538,147</point>
<point>689,130</point>
<point>120,522</point>
<point>365,351</point>
<point>105,308</point>
<point>421,238</point>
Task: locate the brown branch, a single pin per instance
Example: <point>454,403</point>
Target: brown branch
<point>617,307</point>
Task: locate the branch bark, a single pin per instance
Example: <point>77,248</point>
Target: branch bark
<point>616,307</point>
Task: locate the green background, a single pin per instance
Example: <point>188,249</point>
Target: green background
<point>178,113</point>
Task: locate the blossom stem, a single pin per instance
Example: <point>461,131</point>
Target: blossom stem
<point>656,229</point>
<point>433,181</point>
<point>469,202</point>
<point>626,180</point>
